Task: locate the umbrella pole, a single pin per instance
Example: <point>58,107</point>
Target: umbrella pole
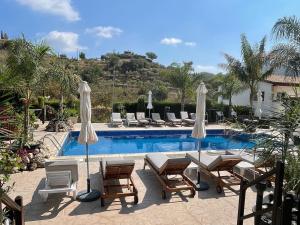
<point>201,185</point>
<point>87,168</point>
<point>89,194</point>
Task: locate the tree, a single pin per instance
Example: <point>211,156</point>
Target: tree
<point>254,66</point>
<point>81,55</point>
<point>151,55</point>
<point>230,86</point>
<point>159,92</point>
<point>61,72</point>
<point>24,71</point>
<point>287,55</point>
<point>182,78</point>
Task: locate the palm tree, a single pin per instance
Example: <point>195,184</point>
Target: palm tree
<point>62,73</point>
<point>24,70</point>
<point>231,85</point>
<point>287,55</point>
<point>254,66</point>
<point>182,78</point>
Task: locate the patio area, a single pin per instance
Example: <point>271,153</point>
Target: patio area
<point>206,208</point>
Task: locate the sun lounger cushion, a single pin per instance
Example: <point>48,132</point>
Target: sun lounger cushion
<point>247,157</point>
<point>245,169</point>
<point>63,165</point>
<point>115,162</point>
<point>161,162</point>
<point>158,160</point>
<point>58,179</point>
<point>211,162</point>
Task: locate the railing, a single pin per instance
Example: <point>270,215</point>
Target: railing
<point>281,209</point>
<point>15,209</point>
<point>53,140</point>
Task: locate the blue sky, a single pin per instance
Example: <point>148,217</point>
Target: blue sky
<point>176,30</point>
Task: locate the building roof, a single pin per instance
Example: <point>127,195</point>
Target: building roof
<point>283,80</point>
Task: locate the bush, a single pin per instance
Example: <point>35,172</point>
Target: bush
<point>71,112</point>
<point>54,103</point>
<point>101,114</point>
<point>141,105</point>
<point>242,110</point>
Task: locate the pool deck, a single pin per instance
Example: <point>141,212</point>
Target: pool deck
<point>206,208</point>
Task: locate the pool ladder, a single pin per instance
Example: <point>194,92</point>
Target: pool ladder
<point>53,140</point>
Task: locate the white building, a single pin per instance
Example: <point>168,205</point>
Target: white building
<point>272,89</point>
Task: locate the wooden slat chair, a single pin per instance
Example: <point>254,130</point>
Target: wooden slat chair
<point>254,166</point>
<point>61,177</point>
<point>212,165</point>
<point>117,169</point>
<point>163,166</point>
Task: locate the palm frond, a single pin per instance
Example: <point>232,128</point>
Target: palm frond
<point>287,28</point>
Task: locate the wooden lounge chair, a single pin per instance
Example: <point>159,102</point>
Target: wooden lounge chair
<point>212,165</point>
<point>116,119</point>
<point>130,119</point>
<point>117,169</point>
<point>185,118</point>
<point>61,177</point>
<point>251,167</point>
<point>163,166</point>
<point>157,120</point>
<point>140,116</point>
<point>173,120</point>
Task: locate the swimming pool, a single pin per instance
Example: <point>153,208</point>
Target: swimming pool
<point>144,141</point>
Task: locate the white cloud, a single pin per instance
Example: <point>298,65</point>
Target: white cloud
<point>56,7</point>
<point>207,68</point>
<point>190,43</point>
<point>63,41</point>
<point>171,41</point>
<point>104,32</point>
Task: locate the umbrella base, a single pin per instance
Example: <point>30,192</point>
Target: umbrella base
<point>202,186</point>
<point>85,196</point>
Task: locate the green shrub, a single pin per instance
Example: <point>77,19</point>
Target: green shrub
<point>54,103</point>
<point>71,112</point>
<point>141,105</point>
<point>242,110</point>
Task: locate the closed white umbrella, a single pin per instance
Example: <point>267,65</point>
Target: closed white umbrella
<point>199,131</point>
<point>258,110</point>
<point>87,136</point>
<point>149,106</point>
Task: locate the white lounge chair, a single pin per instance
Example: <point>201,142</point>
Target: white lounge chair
<point>185,118</point>
<point>140,116</point>
<point>173,120</point>
<point>116,119</point>
<point>219,117</point>
<point>130,119</point>
<point>193,117</point>
<point>61,177</point>
<point>156,119</point>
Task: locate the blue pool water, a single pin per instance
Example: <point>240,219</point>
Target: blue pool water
<point>121,142</point>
